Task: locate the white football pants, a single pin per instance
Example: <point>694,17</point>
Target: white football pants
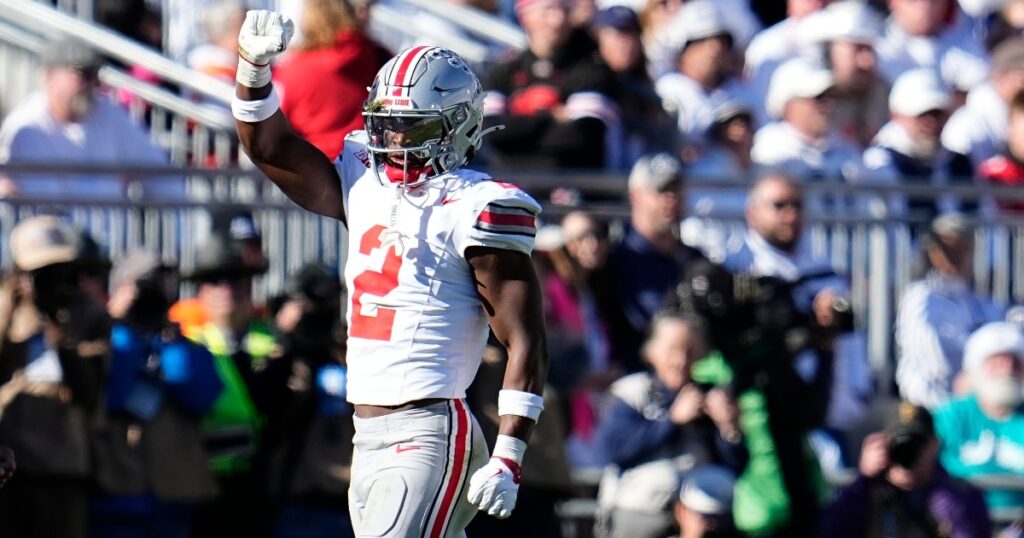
<point>410,470</point>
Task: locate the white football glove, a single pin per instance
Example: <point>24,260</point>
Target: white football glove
<point>495,487</point>
<point>264,34</point>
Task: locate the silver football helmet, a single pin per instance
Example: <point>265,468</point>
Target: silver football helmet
<point>423,115</point>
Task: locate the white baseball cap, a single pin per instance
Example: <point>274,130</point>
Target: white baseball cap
<point>698,19</point>
<point>708,490</point>
<point>846,20</point>
<point>798,77</point>
<point>993,339</point>
<point>655,172</point>
<point>917,91</point>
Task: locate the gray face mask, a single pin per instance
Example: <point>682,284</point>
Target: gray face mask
<point>1005,391</point>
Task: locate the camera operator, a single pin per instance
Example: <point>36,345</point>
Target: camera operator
<point>308,434</point>
<point>53,346</point>
<point>775,247</point>
<point>773,314</point>
<point>658,424</point>
<point>150,462</point>
<point>902,490</point>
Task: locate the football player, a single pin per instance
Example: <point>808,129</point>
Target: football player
<point>436,252</point>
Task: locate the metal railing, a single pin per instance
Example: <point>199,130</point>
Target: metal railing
<point>196,134</point>
<point>44,19</point>
<point>175,227</point>
<point>877,253</point>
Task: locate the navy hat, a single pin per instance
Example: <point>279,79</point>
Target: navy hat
<point>621,18</point>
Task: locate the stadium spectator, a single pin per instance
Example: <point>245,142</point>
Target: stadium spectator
<point>217,56</point>
<point>151,468</point>
<point>703,77</point>
<point>52,363</point>
<point>308,435</point>
<point>647,262</point>
<point>1007,168</point>
<point>983,432</point>
<point>656,18</point>
<point>190,313</point>
<point>577,300</point>
<point>661,423</point>
<point>933,34</point>
<point>552,100</point>
<point>978,129</point>
<point>776,44</point>
<point>646,125</point>
<point>901,489</point>
<point>69,122</point>
<point>661,30</point>
<point>775,246</point>
<point>727,158</point>
<point>1004,24</point>
<point>909,150</point>
<point>704,508</point>
<point>240,346</point>
<point>802,142</point>
<point>937,312</point>
<point>335,50</point>
<point>847,31</point>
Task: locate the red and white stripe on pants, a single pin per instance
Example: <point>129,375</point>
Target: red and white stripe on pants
<point>410,470</point>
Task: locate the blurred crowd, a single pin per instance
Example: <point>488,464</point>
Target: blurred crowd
<point>135,412</point>
<point>900,92</point>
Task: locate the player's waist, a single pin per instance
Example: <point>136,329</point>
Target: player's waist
<point>374,411</point>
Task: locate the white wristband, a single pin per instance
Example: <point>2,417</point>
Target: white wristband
<point>252,75</point>
<point>517,402</point>
<point>255,111</point>
<point>509,447</point>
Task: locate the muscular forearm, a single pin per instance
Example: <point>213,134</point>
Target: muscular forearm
<point>525,372</point>
<point>292,163</point>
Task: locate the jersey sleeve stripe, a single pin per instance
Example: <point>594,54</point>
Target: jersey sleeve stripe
<point>507,219</point>
<point>508,230</point>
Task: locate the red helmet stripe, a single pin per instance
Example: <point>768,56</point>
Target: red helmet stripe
<point>404,63</point>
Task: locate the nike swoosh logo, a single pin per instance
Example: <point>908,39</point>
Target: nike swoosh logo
<point>399,448</point>
<point>447,200</point>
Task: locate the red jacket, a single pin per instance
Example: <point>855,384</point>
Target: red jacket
<point>1004,171</point>
<point>323,90</point>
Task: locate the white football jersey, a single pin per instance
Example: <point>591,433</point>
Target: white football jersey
<point>416,326</point>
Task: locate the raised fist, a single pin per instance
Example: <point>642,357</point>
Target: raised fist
<point>264,34</point>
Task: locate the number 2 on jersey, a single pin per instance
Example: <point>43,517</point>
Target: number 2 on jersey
<point>377,327</point>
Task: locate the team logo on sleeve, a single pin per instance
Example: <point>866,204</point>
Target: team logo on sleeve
<point>505,219</point>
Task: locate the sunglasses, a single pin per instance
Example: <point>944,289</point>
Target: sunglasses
<point>779,205</point>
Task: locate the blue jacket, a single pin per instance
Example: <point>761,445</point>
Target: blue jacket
<point>147,371</point>
<point>635,429</point>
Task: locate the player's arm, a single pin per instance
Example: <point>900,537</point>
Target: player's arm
<point>301,171</point>
<point>510,293</point>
